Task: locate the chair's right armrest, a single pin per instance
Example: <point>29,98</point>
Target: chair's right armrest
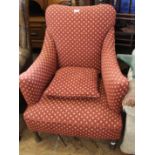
<point>34,81</point>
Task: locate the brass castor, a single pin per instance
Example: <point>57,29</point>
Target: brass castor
<point>112,145</point>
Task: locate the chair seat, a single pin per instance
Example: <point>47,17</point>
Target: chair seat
<point>75,117</point>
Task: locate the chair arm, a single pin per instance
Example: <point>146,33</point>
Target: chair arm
<point>34,81</point>
<point>115,84</point>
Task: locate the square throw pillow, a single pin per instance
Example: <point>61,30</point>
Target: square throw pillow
<point>74,82</point>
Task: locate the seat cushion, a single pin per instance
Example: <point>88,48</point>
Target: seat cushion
<point>87,117</point>
<point>74,82</point>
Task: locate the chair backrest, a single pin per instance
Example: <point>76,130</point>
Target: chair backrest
<point>79,32</point>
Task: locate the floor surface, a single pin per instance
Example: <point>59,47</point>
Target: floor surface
<point>52,145</point>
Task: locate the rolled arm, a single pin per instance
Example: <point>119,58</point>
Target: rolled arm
<point>34,81</point>
<point>115,84</point>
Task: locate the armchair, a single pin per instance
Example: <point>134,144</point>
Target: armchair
<point>76,38</point>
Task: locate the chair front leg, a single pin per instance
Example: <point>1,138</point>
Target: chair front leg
<point>37,137</point>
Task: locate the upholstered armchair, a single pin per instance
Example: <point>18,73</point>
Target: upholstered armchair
<point>75,86</point>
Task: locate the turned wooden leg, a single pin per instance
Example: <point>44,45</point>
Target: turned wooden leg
<point>37,137</point>
<point>112,145</point>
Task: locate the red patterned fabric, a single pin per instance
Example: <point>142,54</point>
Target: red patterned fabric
<point>74,82</point>
<point>116,85</point>
<point>79,32</point>
<point>76,37</point>
<point>34,81</point>
<point>75,117</point>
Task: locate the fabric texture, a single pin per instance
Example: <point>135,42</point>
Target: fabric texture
<point>116,85</point>
<point>34,81</point>
<point>76,37</point>
<point>74,82</point>
<point>79,32</point>
<point>75,117</point>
